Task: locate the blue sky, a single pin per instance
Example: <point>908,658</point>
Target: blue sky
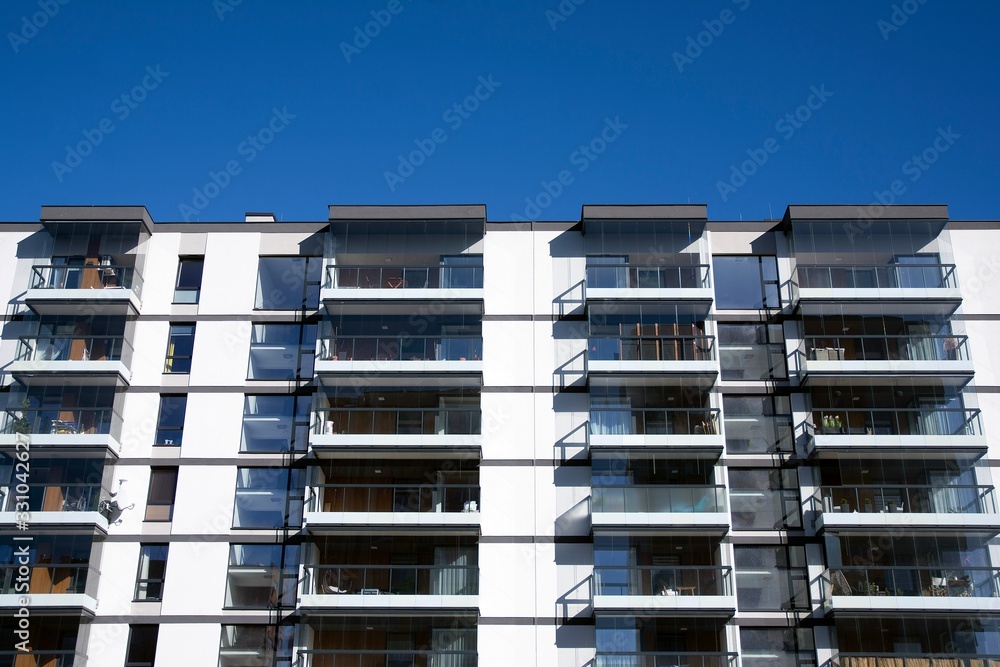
<point>203,109</point>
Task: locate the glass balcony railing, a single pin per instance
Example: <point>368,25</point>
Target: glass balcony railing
<point>56,421</point>
<point>658,498</point>
<point>898,421</point>
<point>652,348</point>
<point>394,498</point>
<point>399,421</point>
<point>887,348</point>
<point>50,579</point>
<point>465,276</point>
<point>658,658</point>
<point>663,580</point>
<point>49,276</point>
<point>912,498</point>
<point>392,579</point>
<point>368,658</point>
<point>913,581</point>
<point>613,420</point>
<point>871,276</point>
<point>643,276</point>
<point>79,497</point>
<point>402,348</point>
<point>63,348</point>
<point>944,658</point>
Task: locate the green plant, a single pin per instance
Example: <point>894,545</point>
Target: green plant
<point>844,501</point>
<point>21,423</point>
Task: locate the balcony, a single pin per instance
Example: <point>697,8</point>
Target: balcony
<point>851,589</point>
<point>826,282</point>
<point>899,430</point>
<point>106,289</point>
<point>943,659</point>
<point>390,588</point>
<point>862,355</point>
<point>56,505</point>
<point>400,354</point>
<point>56,357</point>
<point>758,434</point>
<point>398,431</point>
<point>887,506</point>
<point>680,509</point>
<point>614,280</point>
<point>657,658</point>
<point>68,586</point>
<point>434,508</point>
<point>359,283</point>
<point>683,428</point>
<point>663,354</point>
<point>689,589</point>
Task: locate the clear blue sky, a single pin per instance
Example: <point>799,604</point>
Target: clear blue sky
<point>673,129</point>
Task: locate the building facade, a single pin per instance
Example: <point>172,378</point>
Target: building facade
<point>412,436</point>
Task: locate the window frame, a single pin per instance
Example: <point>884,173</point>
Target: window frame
<point>149,495</point>
<point>141,581</point>
<point>170,360</point>
<point>178,288</point>
<point>159,422</point>
<point>141,644</point>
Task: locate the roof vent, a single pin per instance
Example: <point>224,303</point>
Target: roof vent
<point>260,217</point>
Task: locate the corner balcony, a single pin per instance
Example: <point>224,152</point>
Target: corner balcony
<point>400,354</point>
<point>56,429</point>
<point>882,355</point>
<point>683,430</point>
<point>395,589</point>
<point>689,282</point>
<point>54,359</point>
<point>908,507</point>
<point>66,587</point>
<point>659,508</point>
<point>940,432</point>
<point>361,283</point>
<point>674,589</point>
<point>656,354</point>
<point>105,289</point>
<point>397,432</point>
<point>55,506</point>
<point>443,509</point>
<point>881,282</point>
<point>913,589</point>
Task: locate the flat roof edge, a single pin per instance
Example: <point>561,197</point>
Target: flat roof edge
<point>873,212</point>
<point>409,212</point>
<point>645,212</point>
<point>96,213</point>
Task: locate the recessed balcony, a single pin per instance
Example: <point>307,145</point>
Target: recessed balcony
<point>652,353</point>
<point>897,430</point>
<point>863,355</point>
<point>910,589</point>
<point>398,430</point>
<point>399,589</point>
<point>915,281</point>
<point>400,354</point>
<point>680,509</point>
<point>54,358</point>
<point>608,278</point>
<point>688,589</point>
<point>400,508</point>
<point>617,426</point>
<point>107,288</point>
<point>358,283</point>
<point>911,507</point>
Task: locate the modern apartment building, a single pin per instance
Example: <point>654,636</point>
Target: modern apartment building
<point>412,436</point>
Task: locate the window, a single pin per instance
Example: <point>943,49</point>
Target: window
<point>261,576</point>
<point>162,488</point>
<point>264,644</point>
<point>180,346</point>
<point>170,427</point>
<point>746,283</point>
<point>281,351</point>
<point>771,578</point>
<point>188,287</point>
<point>752,351</point>
<point>141,645</point>
<point>152,571</point>
<point>288,283</point>
<point>275,423</point>
<point>268,497</point>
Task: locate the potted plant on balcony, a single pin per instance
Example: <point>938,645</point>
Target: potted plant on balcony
<point>868,505</point>
<point>845,506</point>
<point>21,423</point>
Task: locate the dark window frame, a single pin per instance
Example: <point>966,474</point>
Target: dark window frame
<point>154,472</point>
<point>161,429</point>
<point>170,363</point>
<point>143,643</point>
<point>185,289</point>
<point>141,581</point>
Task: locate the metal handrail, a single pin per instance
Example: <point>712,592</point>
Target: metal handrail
<point>654,498</point>
<point>62,348</point>
<point>880,275</point>
<point>896,421</point>
<point>642,276</point>
<point>58,421</point>
<point>398,421</point>
<point>400,497</point>
<point>946,347</point>
<point>392,579</point>
<point>912,581</point>
<point>401,348</point>
<point>911,498</point>
<point>77,497</point>
<point>418,276</point>
<point>652,348</point>
<point>653,421</point>
<point>63,276</point>
<point>665,580</point>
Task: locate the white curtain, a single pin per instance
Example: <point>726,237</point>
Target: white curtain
<point>453,639</point>
<point>611,419</point>
<point>452,574</point>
